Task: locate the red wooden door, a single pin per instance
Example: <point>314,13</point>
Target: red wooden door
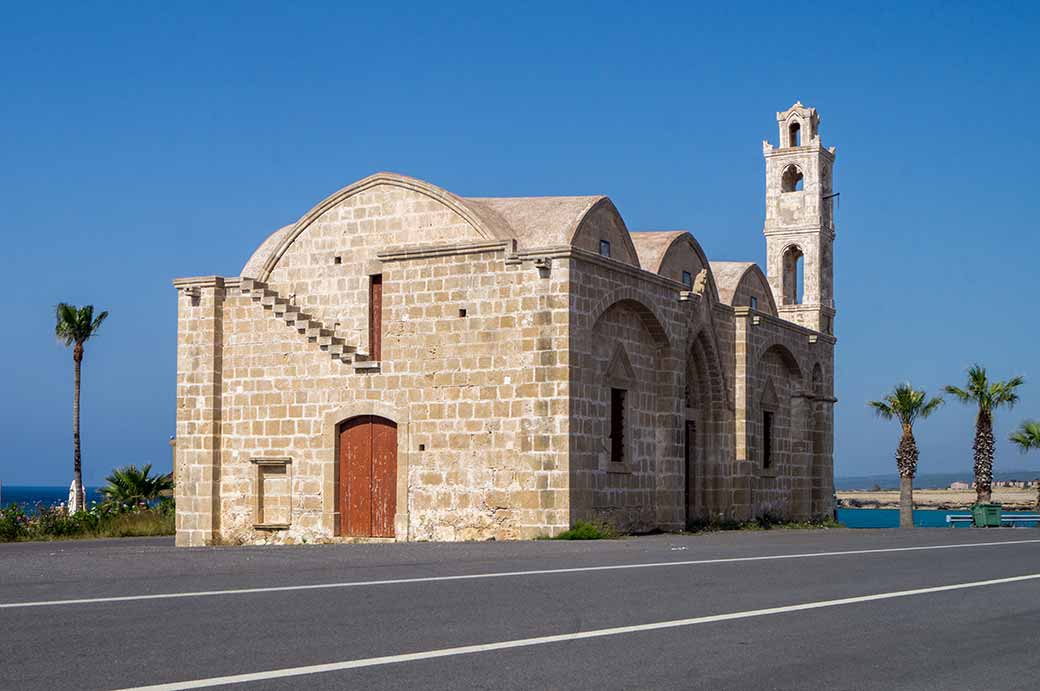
<point>368,477</point>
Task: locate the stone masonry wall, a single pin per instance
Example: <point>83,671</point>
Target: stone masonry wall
<point>327,267</point>
<point>483,395</point>
<point>614,306</point>
<point>780,360</point>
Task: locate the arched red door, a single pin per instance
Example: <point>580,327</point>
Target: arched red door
<point>367,477</point>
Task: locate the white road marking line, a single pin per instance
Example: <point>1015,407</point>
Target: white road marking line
<point>559,638</point>
<point>500,574</point>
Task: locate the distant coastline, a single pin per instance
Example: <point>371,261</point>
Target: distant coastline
<point>890,481</point>
<point>1013,499</point>
<point>28,496</point>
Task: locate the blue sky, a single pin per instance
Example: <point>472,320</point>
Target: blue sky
<point>145,141</point>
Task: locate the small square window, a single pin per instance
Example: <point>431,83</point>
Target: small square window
<point>604,248</point>
<point>754,302</point>
<point>337,260</point>
<point>687,280</point>
<point>462,312</point>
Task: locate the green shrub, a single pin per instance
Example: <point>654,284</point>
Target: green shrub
<point>12,523</point>
<point>584,530</point>
<point>138,524</point>
<point>765,521</point>
<point>54,523</point>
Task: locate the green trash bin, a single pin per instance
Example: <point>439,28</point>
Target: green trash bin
<point>986,515</point>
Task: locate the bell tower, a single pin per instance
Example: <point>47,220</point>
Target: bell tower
<point>799,225</point>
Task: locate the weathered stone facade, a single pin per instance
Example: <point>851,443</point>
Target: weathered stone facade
<point>533,362</point>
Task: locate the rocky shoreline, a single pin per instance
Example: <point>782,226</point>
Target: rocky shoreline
<point>1013,499</point>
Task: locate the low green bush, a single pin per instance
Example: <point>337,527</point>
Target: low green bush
<point>584,530</point>
<point>766,521</point>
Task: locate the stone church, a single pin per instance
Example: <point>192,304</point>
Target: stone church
<point>406,364</point>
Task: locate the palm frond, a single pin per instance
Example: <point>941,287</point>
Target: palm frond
<point>76,324</point>
<point>882,409</point>
<point>905,403</point>
<point>130,485</point>
<point>931,406</point>
<point>987,395</point>
<point>1027,436</point>
<point>98,321</point>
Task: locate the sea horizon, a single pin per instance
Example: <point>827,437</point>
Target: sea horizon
<point>47,495</point>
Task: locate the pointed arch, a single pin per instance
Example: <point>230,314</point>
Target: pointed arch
<point>787,357</point>
<point>629,298</point>
<point>791,179</point>
<point>668,253</point>
<point>485,225</point>
<point>704,359</point>
<point>602,220</point>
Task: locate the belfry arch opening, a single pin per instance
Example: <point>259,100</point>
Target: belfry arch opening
<point>791,180</point>
<point>794,134</point>
<point>794,275</point>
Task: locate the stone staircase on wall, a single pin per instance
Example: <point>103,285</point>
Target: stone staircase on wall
<point>314,330</point>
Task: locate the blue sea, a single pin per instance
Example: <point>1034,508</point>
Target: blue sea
<point>28,496</point>
<point>889,518</point>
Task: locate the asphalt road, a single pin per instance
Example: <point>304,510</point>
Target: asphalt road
<point>929,609</point>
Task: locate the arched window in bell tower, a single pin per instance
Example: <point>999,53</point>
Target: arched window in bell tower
<point>793,276</point>
<point>791,179</point>
<point>794,134</point>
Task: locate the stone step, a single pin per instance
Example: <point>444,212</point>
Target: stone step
<point>313,329</point>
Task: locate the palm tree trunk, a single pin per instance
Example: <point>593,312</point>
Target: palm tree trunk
<point>906,502</point>
<point>906,461</point>
<point>983,448</point>
<point>79,495</point>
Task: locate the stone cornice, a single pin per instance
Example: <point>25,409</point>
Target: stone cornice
<point>590,257</point>
<point>794,151</point>
<point>199,282</point>
<point>799,230</point>
<point>392,254</point>
<point>756,317</point>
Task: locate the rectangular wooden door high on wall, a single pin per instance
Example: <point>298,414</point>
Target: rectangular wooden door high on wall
<point>375,317</point>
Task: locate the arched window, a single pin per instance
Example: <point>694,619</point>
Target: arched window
<point>794,134</point>
<point>791,180</point>
<point>793,273</point>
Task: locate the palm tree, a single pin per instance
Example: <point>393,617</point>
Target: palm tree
<point>988,396</point>
<point>74,327</point>
<point>130,485</point>
<point>906,405</point>
<point>1028,436</point>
